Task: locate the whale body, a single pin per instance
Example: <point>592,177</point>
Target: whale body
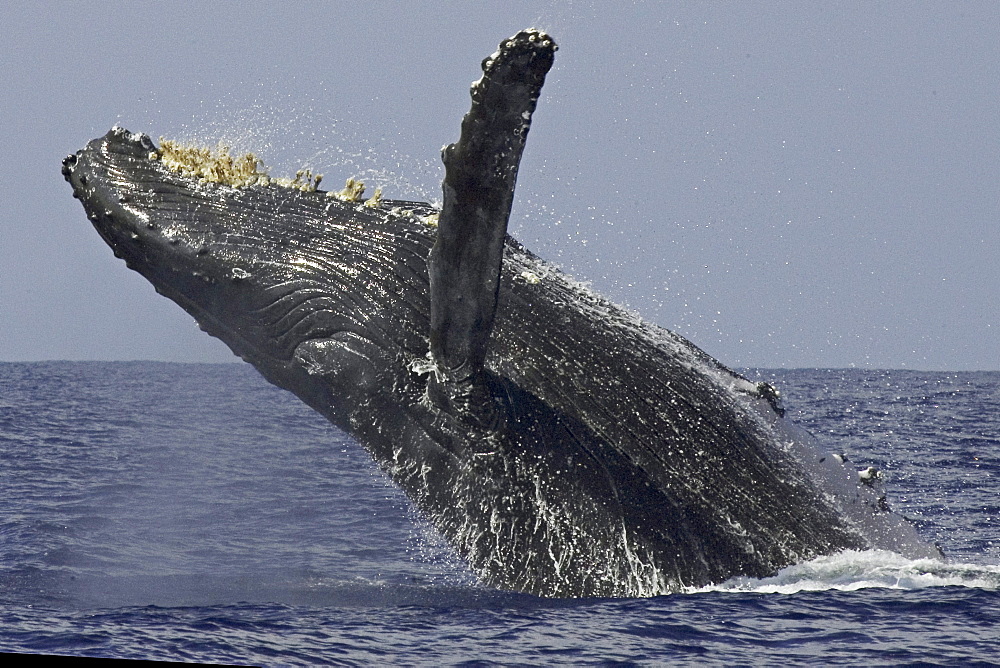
<point>561,445</point>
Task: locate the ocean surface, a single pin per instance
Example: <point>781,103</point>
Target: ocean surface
<point>189,512</point>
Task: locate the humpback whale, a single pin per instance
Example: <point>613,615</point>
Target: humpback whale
<point>560,444</point>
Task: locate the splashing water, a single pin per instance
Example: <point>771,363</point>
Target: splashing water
<point>852,570</point>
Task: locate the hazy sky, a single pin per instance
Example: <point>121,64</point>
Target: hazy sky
<point>789,184</point>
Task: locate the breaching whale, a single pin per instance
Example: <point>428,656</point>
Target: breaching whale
<point>561,445</point>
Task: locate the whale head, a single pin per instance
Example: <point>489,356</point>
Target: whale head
<point>289,279</point>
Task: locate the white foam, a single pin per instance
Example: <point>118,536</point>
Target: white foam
<point>853,570</point>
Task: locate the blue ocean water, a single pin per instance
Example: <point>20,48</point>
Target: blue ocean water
<point>195,513</point>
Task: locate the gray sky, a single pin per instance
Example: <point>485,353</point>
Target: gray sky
<point>787,184</point>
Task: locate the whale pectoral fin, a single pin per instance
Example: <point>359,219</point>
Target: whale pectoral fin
<point>480,173</point>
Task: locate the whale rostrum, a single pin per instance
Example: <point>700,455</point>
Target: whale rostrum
<point>560,444</point>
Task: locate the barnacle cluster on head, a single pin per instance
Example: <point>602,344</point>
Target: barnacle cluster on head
<point>212,165</point>
<point>219,165</point>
